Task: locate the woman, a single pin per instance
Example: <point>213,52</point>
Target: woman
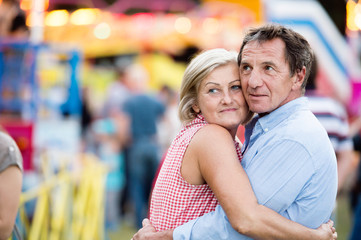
<point>11,179</point>
<point>212,106</point>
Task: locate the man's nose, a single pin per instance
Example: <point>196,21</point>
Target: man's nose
<point>255,80</point>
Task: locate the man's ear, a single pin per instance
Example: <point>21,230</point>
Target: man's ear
<point>299,78</point>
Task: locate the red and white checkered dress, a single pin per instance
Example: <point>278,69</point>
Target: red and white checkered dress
<point>174,201</point>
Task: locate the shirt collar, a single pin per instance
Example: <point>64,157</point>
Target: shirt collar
<point>277,116</point>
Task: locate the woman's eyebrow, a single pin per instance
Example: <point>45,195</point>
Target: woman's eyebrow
<point>211,83</point>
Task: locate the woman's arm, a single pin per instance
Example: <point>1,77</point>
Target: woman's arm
<point>219,165</point>
<point>10,190</point>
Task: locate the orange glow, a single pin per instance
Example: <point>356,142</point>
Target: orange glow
<point>144,19</point>
<point>144,15</point>
<point>211,25</point>
<point>183,25</point>
<point>352,12</point>
<point>26,5</point>
<point>84,16</point>
<point>57,18</point>
<point>46,5</point>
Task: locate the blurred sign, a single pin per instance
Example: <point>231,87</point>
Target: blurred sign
<point>22,133</point>
<point>255,6</point>
<point>16,71</point>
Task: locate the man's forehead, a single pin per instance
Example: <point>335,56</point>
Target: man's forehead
<point>265,51</point>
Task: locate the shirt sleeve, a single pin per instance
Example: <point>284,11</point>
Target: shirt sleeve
<point>9,153</point>
<point>212,226</point>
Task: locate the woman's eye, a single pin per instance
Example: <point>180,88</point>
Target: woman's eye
<point>236,87</point>
<point>212,90</point>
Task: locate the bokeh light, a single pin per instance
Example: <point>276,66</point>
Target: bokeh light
<point>84,16</point>
<point>183,25</point>
<point>211,25</point>
<point>57,18</point>
<point>102,31</point>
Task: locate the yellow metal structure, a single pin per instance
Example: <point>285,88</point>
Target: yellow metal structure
<point>69,205</point>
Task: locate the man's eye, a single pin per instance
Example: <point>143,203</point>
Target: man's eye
<point>268,68</point>
<point>245,69</point>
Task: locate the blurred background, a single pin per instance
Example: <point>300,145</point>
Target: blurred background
<point>69,70</point>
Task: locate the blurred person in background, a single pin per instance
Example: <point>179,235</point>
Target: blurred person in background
<point>110,134</point>
<point>355,233</point>
<point>169,125</point>
<point>334,118</point>
<point>118,91</point>
<point>116,94</point>
<point>12,20</point>
<point>144,111</point>
<point>11,178</point>
<point>86,120</point>
<point>355,190</point>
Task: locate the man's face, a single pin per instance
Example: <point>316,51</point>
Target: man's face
<point>265,76</point>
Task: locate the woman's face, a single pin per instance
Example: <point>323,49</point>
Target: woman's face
<point>220,99</point>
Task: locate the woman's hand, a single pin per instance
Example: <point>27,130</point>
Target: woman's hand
<point>148,232</point>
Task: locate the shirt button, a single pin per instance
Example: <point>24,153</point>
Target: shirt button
<point>266,129</point>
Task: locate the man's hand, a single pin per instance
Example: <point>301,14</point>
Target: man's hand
<point>327,231</point>
<point>148,232</point>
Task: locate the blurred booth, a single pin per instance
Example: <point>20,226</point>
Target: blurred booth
<point>38,84</point>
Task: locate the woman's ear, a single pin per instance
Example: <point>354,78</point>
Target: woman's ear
<point>196,108</point>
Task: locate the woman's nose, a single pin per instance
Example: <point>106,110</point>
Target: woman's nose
<point>226,98</point>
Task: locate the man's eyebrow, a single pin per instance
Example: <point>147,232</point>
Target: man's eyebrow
<point>243,62</point>
<point>269,63</point>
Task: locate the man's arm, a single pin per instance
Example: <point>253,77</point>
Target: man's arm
<point>148,232</point>
<point>277,182</point>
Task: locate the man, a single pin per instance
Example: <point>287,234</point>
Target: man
<point>287,154</point>
<point>333,117</point>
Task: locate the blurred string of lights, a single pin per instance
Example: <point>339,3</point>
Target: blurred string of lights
<point>142,22</point>
<point>353,13</point>
<point>102,30</point>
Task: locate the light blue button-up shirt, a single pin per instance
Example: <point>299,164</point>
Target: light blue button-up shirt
<point>292,168</point>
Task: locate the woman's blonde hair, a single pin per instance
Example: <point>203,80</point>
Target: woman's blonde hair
<point>197,70</point>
